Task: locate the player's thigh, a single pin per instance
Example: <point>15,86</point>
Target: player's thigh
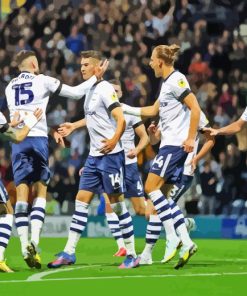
<point>138,204</point>
<point>84,196</point>
<point>153,182</point>
<point>22,192</point>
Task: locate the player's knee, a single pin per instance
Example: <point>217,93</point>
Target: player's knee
<point>21,207</point>
<point>148,187</point>
<point>140,210</point>
<point>118,208</point>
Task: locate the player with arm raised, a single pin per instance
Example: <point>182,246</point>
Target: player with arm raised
<point>104,168</point>
<point>25,93</point>
<point>6,210</point>
<point>179,114</point>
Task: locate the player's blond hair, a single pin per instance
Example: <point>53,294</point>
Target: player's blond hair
<point>23,55</point>
<point>167,53</point>
<point>94,54</point>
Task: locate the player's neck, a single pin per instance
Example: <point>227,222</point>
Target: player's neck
<point>27,70</point>
<point>167,71</point>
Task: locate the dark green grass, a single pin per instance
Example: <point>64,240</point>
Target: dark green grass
<point>207,273</point>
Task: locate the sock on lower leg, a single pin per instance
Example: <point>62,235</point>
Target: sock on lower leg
<point>77,226</point>
<point>37,217</point>
<point>113,223</point>
<point>21,222</point>
<point>164,212</point>
<point>126,226</point>
<point>6,222</point>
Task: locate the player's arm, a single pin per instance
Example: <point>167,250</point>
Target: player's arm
<point>230,129</point>
<point>191,102</point>
<point>109,144</point>
<point>143,140</point>
<point>206,148</point>
<point>149,111</point>
<point>77,92</point>
<point>18,135</point>
<point>154,133</point>
<point>66,128</point>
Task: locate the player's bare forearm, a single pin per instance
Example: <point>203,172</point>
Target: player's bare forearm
<point>79,124</point>
<point>17,136</point>
<point>232,128</point>
<point>206,148</point>
<point>118,116</point>
<point>150,111</point>
<point>144,139</point>
<point>192,104</point>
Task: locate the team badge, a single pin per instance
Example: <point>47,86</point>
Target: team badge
<point>114,97</point>
<point>181,83</point>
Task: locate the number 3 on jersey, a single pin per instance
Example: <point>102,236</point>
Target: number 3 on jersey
<point>23,93</point>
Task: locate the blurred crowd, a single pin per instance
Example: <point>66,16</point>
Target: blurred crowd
<point>213,40</point>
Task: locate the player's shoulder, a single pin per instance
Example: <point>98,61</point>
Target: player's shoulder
<point>178,79</point>
<point>103,84</point>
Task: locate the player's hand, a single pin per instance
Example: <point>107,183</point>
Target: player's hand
<point>81,171</point>
<point>100,70</point>
<point>38,113</point>
<point>65,129</point>
<point>132,153</point>
<point>58,139</point>
<point>193,164</point>
<point>188,145</point>
<point>16,119</point>
<point>108,145</point>
<point>213,131</point>
<point>152,128</point>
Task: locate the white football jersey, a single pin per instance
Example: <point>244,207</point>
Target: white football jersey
<point>244,115</point>
<point>100,100</point>
<point>28,91</point>
<point>187,166</point>
<point>128,137</point>
<point>3,120</point>
<point>174,115</point>
<point>203,122</point>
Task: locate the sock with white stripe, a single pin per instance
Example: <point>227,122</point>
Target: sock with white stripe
<point>21,223</point>
<point>164,212</point>
<point>113,223</point>
<point>77,226</point>
<point>6,222</point>
<point>126,226</point>
<point>179,223</point>
<point>37,217</point>
<point>153,231</point>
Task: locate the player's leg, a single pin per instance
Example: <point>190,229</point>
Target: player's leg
<point>113,223</point>
<point>153,231</point>
<point>21,216</point>
<point>138,204</point>
<point>6,221</point>
<point>89,183</point>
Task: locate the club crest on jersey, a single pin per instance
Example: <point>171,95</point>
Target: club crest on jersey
<point>114,97</point>
<point>181,83</point>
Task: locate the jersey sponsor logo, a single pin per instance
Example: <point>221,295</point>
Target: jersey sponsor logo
<point>181,83</point>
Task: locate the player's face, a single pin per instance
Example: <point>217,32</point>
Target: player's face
<point>118,90</point>
<point>88,67</point>
<point>156,64</point>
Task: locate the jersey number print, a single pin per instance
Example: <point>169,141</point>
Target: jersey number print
<point>23,95</point>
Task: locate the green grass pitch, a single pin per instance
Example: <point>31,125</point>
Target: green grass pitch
<point>218,268</point>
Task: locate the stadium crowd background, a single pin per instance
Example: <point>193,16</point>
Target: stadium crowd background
<point>213,38</point>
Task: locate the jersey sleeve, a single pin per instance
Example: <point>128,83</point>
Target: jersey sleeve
<point>136,121</point>
<point>109,96</point>
<point>244,115</point>
<point>203,122</point>
<point>77,92</point>
<point>3,123</point>
<point>52,84</point>
<point>180,88</point>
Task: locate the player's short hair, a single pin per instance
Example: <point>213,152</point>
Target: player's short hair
<point>167,53</point>
<point>91,54</point>
<point>115,81</point>
<point>22,55</point>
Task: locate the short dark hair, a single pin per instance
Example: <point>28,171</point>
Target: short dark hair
<point>22,55</point>
<point>115,81</point>
<point>91,54</point>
